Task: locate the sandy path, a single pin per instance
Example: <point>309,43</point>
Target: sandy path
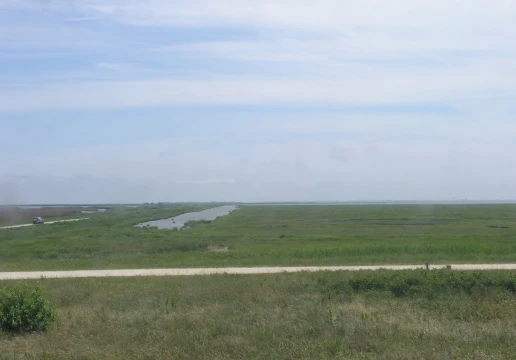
<point>46,223</point>
<point>250,270</point>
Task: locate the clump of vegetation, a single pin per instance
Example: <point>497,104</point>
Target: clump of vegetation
<point>25,309</point>
<point>192,223</point>
<point>419,283</point>
<point>178,246</point>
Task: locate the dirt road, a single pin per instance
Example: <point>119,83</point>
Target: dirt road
<point>46,223</point>
<point>212,271</point>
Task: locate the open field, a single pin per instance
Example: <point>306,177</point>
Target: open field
<point>270,236</point>
<point>361,315</point>
<point>408,314</point>
<point>10,216</point>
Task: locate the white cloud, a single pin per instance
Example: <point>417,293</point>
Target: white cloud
<point>43,38</point>
<point>345,52</point>
<point>124,67</point>
<point>323,14</point>
<point>350,53</point>
<point>363,25</point>
<point>258,50</point>
<point>362,88</point>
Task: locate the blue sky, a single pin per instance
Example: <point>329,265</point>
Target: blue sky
<point>256,100</point>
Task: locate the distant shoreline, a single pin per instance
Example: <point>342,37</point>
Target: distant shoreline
<point>280,203</point>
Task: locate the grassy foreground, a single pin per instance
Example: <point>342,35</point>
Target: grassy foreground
<point>269,236</point>
<point>439,315</point>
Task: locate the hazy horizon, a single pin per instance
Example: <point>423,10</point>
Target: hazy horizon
<point>337,202</point>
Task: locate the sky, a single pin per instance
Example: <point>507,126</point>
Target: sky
<point>124,101</point>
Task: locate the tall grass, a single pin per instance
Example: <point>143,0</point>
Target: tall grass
<point>282,316</point>
<point>270,235</point>
<point>420,283</point>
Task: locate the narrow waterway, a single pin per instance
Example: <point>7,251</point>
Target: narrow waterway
<point>180,220</point>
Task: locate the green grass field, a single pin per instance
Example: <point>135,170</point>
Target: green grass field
<point>359,315</point>
<point>270,235</point>
<point>351,315</point>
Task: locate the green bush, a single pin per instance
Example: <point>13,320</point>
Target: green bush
<point>192,223</point>
<point>418,283</point>
<point>25,309</point>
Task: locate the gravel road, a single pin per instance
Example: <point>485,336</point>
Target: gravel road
<point>251,270</point>
<point>46,223</point>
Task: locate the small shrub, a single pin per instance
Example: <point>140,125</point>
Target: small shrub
<point>510,285</point>
<point>25,309</point>
<point>399,289</point>
<point>192,223</point>
<point>178,246</point>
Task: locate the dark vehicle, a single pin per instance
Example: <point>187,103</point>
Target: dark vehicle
<point>38,220</point>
